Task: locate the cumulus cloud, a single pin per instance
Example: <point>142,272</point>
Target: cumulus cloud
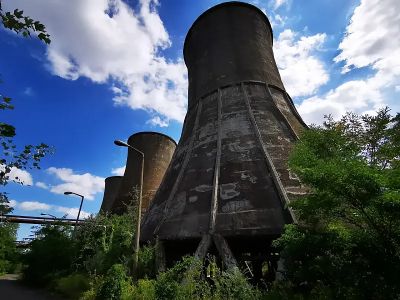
<point>108,41</point>
<point>18,175</point>
<point>301,70</point>
<point>371,36</point>
<point>85,184</point>
<point>118,171</point>
<point>370,41</point>
<point>33,205</point>
<point>358,96</point>
<point>157,121</point>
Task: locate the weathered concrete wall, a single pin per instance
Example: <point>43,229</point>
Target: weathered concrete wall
<point>158,150</point>
<point>229,174</point>
<point>111,188</point>
<point>231,42</point>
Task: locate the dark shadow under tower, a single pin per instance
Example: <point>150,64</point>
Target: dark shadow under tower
<point>228,186</point>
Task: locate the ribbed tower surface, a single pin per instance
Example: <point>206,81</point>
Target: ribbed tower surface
<point>158,150</point>
<point>229,174</point>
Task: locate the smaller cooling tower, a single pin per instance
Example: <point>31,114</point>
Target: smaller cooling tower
<point>158,150</point>
<point>111,189</point>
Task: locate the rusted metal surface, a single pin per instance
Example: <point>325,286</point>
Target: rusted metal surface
<point>39,220</point>
<point>111,188</point>
<point>229,184</point>
<point>158,150</point>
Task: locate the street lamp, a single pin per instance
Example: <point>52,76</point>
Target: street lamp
<point>139,208</point>
<point>80,207</point>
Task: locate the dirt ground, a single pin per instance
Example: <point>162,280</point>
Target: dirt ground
<point>12,289</point>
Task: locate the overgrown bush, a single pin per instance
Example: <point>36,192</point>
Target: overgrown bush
<point>347,243</point>
<point>50,255</point>
<point>144,290</point>
<point>233,285</point>
<point>72,286</point>
<point>115,285</point>
<point>8,252</point>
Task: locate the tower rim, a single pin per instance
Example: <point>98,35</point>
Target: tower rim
<point>218,6</point>
<point>154,133</point>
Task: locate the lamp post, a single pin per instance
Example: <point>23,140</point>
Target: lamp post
<point>80,207</point>
<point>139,208</point>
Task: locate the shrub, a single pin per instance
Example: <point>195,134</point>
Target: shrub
<point>233,285</point>
<point>50,255</point>
<point>168,282</point>
<point>145,290</point>
<point>72,286</point>
<point>112,287</point>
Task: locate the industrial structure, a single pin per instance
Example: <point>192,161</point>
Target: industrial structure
<point>111,189</point>
<point>228,186</point>
<point>158,149</point>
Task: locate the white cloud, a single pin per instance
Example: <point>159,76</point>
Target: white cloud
<point>108,41</point>
<point>357,96</point>
<point>118,171</point>
<point>371,36</point>
<point>42,185</point>
<point>33,205</point>
<point>370,41</point>
<point>18,175</point>
<point>279,3</point>
<point>157,121</point>
<point>12,203</point>
<point>85,184</point>
<point>301,71</point>
<point>71,212</point>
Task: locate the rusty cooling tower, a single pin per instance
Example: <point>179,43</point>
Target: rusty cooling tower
<point>158,150</point>
<point>228,184</point>
<point>111,189</point>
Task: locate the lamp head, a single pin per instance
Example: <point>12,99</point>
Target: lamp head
<point>67,193</point>
<point>120,143</point>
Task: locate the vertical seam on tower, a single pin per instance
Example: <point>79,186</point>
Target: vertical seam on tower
<point>214,197</point>
<point>281,113</point>
<point>270,165</point>
<point>183,168</point>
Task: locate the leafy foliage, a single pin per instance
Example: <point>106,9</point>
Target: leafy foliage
<point>112,287</point>
<point>72,285</point>
<point>348,238</point>
<point>17,22</point>
<point>8,251</point>
<point>50,255</point>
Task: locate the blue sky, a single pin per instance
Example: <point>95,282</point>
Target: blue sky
<point>115,68</point>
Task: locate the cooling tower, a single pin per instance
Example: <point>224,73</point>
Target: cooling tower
<point>111,189</point>
<point>158,150</point>
<point>228,185</point>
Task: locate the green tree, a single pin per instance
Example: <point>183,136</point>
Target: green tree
<point>50,255</point>
<point>17,22</point>
<point>347,241</point>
